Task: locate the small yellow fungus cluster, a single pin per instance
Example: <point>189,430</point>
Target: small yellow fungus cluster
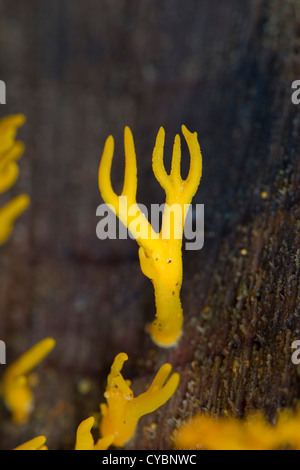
<point>16,391</point>
<point>84,439</point>
<point>161,261</point>
<point>120,415</point>
<point>253,433</point>
<point>160,255</point>
<point>10,152</point>
<point>122,412</point>
<point>206,433</point>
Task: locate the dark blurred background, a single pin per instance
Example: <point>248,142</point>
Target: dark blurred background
<point>80,71</point>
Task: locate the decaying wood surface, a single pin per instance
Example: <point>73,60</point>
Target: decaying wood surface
<point>83,70</point>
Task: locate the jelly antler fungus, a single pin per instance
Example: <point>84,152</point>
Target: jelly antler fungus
<point>122,412</point>
<point>250,433</point>
<point>38,443</point>
<point>15,388</point>
<point>85,440</point>
<point>10,152</point>
<point>160,254</point>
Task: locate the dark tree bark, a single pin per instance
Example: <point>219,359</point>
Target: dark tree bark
<point>83,70</point>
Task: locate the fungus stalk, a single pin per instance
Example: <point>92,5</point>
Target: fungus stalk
<point>160,254</point>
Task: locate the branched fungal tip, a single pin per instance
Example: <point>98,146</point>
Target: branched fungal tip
<point>160,254</point>
<point>122,411</point>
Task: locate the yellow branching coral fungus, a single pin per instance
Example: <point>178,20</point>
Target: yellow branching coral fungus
<point>10,152</point>
<point>16,391</point>
<point>160,254</point>
<point>122,412</point>
<point>38,443</point>
<point>252,433</point>
<point>85,440</point>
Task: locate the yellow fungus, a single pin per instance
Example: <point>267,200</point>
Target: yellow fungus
<point>85,440</point>
<point>84,386</point>
<point>9,213</point>
<point>10,152</point>
<point>251,433</point>
<point>160,254</point>
<point>15,388</point>
<point>38,443</point>
<point>122,412</point>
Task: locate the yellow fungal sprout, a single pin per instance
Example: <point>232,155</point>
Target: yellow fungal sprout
<point>253,433</point>
<point>122,412</point>
<point>85,440</point>
<point>38,443</point>
<point>160,254</point>
<point>10,152</point>
<point>15,388</point>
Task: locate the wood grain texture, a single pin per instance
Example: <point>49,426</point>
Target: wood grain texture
<point>83,70</point>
